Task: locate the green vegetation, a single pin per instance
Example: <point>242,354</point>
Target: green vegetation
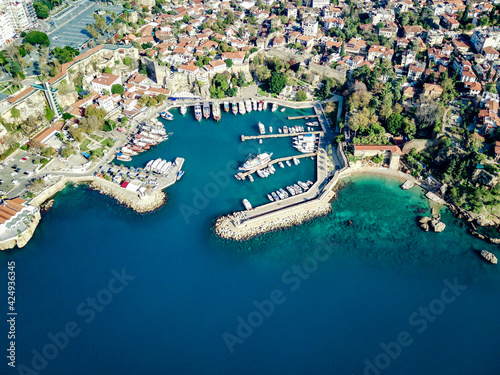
<point>49,113</point>
<point>277,83</point>
<point>229,63</point>
<point>220,87</point>
<point>84,145</point>
<point>37,38</point>
<point>301,96</point>
<point>117,89</point>
<point>15,113</point>
<point>65,54</point>
<point>108,143</point>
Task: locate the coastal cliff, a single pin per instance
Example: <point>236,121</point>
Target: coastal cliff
<point>22,239</point>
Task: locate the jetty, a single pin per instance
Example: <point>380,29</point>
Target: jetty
<point>279,135</point>
<point>243,175</point>
<point>302,117</point>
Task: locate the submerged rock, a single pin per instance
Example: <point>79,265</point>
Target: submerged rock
<point>438,226</point>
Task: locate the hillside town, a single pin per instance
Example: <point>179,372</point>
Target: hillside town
<point>418,81</point>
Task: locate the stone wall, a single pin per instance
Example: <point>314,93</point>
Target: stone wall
<point>22,239</point>
<point>33,105</point>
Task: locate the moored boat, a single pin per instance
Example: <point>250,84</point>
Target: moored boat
<point>264,105</point>
<point>167,116</point>
<point>262,128</point>
<point>216,111</point>
<point>274,107</point>
<point>183,110</point>
<point>259,108</point>
<point>490,257</point>
<point>122,157</point>
<point>281,164</point>
<point>226,106</point>
<point>247,205</point>
<point>296,161</point>
<point>253,162</point>
<point>235,108</point>
<point>197,112</point>
<point>248,106</point>
<point>270,197</point>
<point>282,109</point>
<point>241,107</point>
<point>270,129</point>
<point>250,177</point>
<point>179,175</point>
<point>206,109</point>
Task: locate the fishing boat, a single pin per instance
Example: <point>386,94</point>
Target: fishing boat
<point>247,205</point>
<point>197,112</point>
<point>248,106</point>
<point>123,157</point>
<point>167,116</point>
<point>235,108</point>
<point>282,109</point>
<point>216,111</point>
<point>274,107</point>
<point>296,161</point>
<point>262,128</point>
<point>241,107</point>
<point>270,197</point>
<point>183,110</point>
<point>250,177</point>
<point>253,162</point>
<point>206,110</point>
<point>179,175</point>
<point>490,257</point>
<point>264,105</point>
<point>259,108</point>
<point>226,106</point>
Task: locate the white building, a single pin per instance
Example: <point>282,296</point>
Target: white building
<point>486,38</point>
<point>310,26</point>
<point>16,17</point>
<point>105,82</point>
<point>320,3</point>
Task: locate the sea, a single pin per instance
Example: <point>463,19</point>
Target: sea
<point>103,290</point>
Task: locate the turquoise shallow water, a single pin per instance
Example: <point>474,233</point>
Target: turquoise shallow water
<point>345,290</point>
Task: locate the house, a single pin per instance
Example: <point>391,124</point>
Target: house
<point>310,26</point>
<point>355,46</point>
<point>490,53</point>
<point>189,68</point>
<point>376,52</point>
<point>408,92</point>
<point>236,57</point>
<point>291,10</point>
<point>390,30</point>
<point>415,71</point>
<point>108,102</point>
<point>306,40</point>
<point>390,153</point>
<point>432,90</point>
<point>474,88</point>
<point>105,82</point>
<point>449,22</point>
<point>412,31</point>
<point>216,66</point>
<point>487,122</point>
<point>434,37</point>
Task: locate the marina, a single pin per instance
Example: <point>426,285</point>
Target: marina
<point>281,135</point>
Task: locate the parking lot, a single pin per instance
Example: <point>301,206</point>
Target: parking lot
<point>69,28</point>
<point>18,169</point>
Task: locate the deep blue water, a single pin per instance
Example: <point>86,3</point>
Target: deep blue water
<point>341,290</point>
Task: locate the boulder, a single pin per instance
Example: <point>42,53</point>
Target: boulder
<point>438,226</point>
<point>424,220</point>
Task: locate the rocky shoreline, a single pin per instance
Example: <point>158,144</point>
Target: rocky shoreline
<point>225,228</point>
<point>152,200</point>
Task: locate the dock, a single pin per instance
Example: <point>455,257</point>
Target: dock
<point>243,175</point>
<point>302,117</point>
<point>280,135</point>
<point>171,178</point>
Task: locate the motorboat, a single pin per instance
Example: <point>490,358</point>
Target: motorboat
<point>253,162</point>
<point>250,177</point>
<point>206,110</point>
<point>167,116</point>
<point>281,164</point>
<point>262,128</point>
<point>226,106</point>
<point>296,161</point>
<point>197,112</point>
<point>241,107</point>
<point>282,109</point>
<point>183,110</point>
<point>270,129</point>
<point>248,106</point>
<point>274,107</point>
<point>235,108</point>
<point>247,205</point>
<point>270,197</point>
<point>216,111</point>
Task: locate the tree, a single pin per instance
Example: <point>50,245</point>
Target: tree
<point>241,79</point>
<point>127,61</point>
<point>49,113</point>
<point>427,113</point>
<point>229,63</point>
<point>37,37</point>
<point>117,89</point>
<point>41,10</point>
<point>15,113</point>
<point>65,54</point>
<point>394,123</point>
<point>107,70</point>
<point>277,83</point>
<point>301,96</point>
